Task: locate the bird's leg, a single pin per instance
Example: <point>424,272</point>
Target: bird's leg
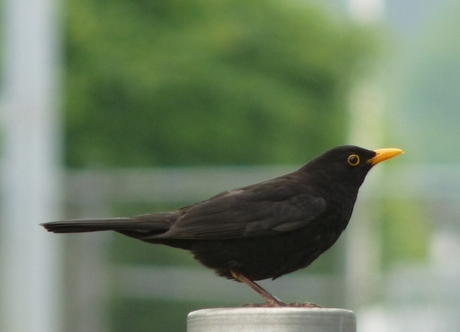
<point>270,300</point>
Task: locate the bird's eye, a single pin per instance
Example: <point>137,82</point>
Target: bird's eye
<point>353,159</point>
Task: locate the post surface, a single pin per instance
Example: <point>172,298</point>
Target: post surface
<point>271,319</point>
<point>30,166</point>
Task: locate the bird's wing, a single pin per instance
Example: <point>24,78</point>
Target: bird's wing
<point>265,209</point>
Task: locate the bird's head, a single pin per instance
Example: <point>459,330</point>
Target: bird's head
<point>349,164</point>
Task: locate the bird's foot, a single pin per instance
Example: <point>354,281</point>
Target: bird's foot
<point>270,303</point>
<point>304,305</point>
<point>270,300</point>
<point>265,305</point>
<point>279,304</point>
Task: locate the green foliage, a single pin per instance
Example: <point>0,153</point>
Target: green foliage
<point>166,82</point>
<point>158,316</point>
<point>405,233</point>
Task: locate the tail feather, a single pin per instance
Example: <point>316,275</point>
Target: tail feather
<point>148,223</point>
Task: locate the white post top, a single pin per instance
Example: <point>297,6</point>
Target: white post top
<point>283,319</point>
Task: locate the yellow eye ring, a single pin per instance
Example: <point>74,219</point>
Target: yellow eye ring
<point>353,160</point>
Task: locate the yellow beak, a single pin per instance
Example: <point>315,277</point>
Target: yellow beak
<point>384,154</point>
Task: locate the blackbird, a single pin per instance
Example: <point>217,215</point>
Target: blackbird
<point>261,231</point>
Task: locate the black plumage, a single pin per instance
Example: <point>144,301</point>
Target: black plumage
<point>263,230</point>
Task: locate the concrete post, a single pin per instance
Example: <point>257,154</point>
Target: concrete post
<point>271,320</point>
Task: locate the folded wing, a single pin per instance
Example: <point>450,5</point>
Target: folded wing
<point>265,209</point>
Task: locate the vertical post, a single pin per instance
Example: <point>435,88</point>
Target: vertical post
<point>366,128</point>
<point>30,141</point>
<point>271,320</point>
<point>88,283</point>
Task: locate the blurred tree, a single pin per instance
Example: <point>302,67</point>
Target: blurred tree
<point>169,82</point>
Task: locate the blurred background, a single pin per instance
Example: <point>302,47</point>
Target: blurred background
<point>122,107</point>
